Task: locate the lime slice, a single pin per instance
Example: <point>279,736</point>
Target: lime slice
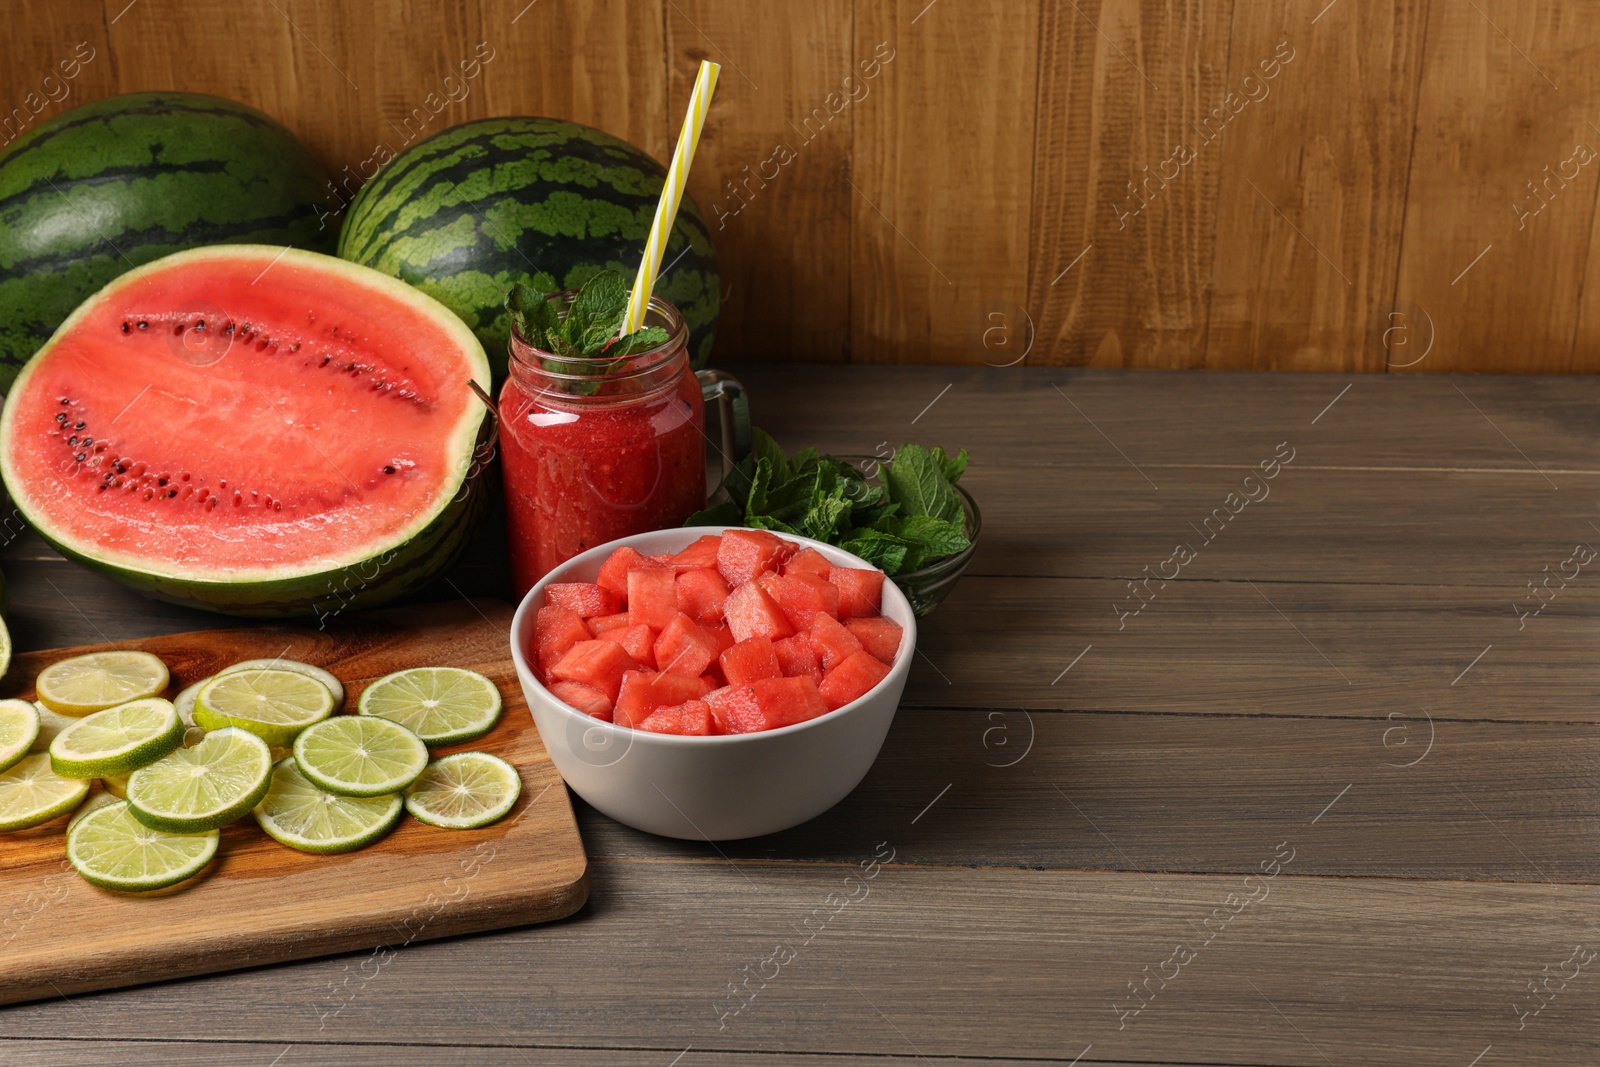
<point>184,703</point>
<point>117,740</point>
<point>205,787</point>
<point>463,791</point>
<point>50,724</point>
<point>357,756</point>
<point>117,784</point>
<point>31,793</point>
<point>273,704</point>
<point>19,729</point>
<point>97,799</point>
<point>335,686</point>
<point>441,705</point>
<point>298,814</point>
<point>86,684</point>
<point>113,850</point>
<point>5,648</point>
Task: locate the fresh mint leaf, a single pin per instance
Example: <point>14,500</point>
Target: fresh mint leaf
<point>767,522</point>
<point>638,341</point>
<point>534,315</point>
<point>928,538</point>
<point>884,551</point>
<point>596,312</point>
<point>766,448</point>
<point>756,499</point>
<point>827,516</point>
<point>953,466</point>
<point>917,483</point>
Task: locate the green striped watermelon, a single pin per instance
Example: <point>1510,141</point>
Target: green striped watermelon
<point>122,181</point>
<point>479,206</point>
<point>255,430</point>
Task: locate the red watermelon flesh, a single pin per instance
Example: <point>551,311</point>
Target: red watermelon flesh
<point>692,718</point>
<point>586,698</point>
<point>771,653</point>
<point>852,679</point>
<point>217,441</point>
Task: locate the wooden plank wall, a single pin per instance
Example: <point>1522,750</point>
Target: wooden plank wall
<point>1355,185</point>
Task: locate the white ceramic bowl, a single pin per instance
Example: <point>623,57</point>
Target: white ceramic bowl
<point>711,788</point>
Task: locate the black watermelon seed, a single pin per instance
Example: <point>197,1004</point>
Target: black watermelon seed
<point>171,493</point>
<point>81,456</point>
<point>144,325</point>
<point>72,440</point>
<point>79,425</point>
<point>388,469</point>
<point>125,329</point>
<point>61,416</point>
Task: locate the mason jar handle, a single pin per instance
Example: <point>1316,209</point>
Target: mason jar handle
<point>734,405</point>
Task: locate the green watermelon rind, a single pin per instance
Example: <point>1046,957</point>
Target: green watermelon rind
<point>372,574</point>
<point>485,193</point>
<point>176,170</point>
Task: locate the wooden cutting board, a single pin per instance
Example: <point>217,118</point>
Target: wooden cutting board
<point>261,902</point>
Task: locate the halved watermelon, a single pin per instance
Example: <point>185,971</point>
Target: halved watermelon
<point>255,430</point>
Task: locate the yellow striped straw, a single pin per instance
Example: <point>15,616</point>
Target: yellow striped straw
<point>705,83</point>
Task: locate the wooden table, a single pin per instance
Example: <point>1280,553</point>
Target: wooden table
<point>1326,794</point>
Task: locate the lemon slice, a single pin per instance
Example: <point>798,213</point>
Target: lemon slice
<point>464,791</point>
<point>117,740</point>
<point>113,850</point>
<point>205,787</point>
<point>441,705</point>
<point>31,793</point>
<point>298,814</point>
<point>335,686</point>
<point>358,756</point>
<point>19,729</point>
<point>86,684</point>
<point>273,704</point>
<point>50,724</point>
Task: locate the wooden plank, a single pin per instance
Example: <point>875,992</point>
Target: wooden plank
<point>56,60</point>
<point>1234,648</point>
<point>973,963</point>
<point>773,163</point>
<point>1120,85</point>
<point>1479,187</point>
<point>1313,190</point>
<point>248,1054</point>
<point>941,173</point>
<point>1046,790</point>
<point>250,908</point>
<point>1540,426</point>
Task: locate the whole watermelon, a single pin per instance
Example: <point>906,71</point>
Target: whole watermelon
<point>467,212</point>
<point>119,182</point>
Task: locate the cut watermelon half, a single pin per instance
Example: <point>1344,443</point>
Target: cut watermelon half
<point>255,430</point>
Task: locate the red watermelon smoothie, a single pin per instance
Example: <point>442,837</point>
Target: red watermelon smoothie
<point>597,449</point>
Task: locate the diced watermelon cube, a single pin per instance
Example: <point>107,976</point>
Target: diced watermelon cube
<point>713,678</point>
<point>765,704</point>
<point>744,554</point>
<point>752,613</point>
<point>802,596</point>
<point>638,640</point>
<point>614,571</point>
<point>749,660</point>
<point>555,630</point>
<point>877,635</point>
<point>643,692</point>
<point>860,591</point>
<point>808,561</point>
<point>586,598</point>
<point>701,593</point>
<point>684,647</point>
<point>703,553</point>
<point>852,679</point>
<point>691,718</point>
<point>586,698</point>
<point>597,663</point>
<point>724,636</point>
<point>796,657</point>
<point>652,596</point>
<point>834,643</point>
<point>609,622</point>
